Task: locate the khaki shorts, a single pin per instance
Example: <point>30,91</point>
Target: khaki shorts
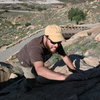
<point>27,72</point>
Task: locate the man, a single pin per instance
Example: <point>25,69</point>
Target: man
<point>37,51</point>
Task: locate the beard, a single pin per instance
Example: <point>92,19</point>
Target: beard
<point>53,49</point>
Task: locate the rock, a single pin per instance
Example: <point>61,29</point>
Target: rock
<point>79,63</point>
<point>16,65</point>
<point>5,71</point>
<point>13,75</point>
<point>95,30</point>
<point>84,66</point>
<point>92,52</point>
<point>19,27</point>
<point>63,70</point>
<point>89,52</point>
<point>16,19</point>
<point>92,61</point>
<point>94,7</point>
<point>31,27</point>
<point>97,37</point>
<point>16,37</point>
<point>75,38</point>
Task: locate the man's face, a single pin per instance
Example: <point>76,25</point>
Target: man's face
<point>52,46</point>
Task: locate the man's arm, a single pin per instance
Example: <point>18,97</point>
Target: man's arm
<point>68,62</point>
<point>47,73</point>
<point>65,58</point>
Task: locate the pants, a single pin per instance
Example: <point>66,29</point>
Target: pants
<point>27,72</point>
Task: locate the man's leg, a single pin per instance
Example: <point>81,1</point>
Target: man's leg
<point>27,72</point>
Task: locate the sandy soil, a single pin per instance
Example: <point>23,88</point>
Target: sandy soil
<point>32,1</point>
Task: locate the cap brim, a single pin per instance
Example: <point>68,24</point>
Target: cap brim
<point>56,38</point>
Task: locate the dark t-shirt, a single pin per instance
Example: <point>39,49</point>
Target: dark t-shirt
<point>36,51</point>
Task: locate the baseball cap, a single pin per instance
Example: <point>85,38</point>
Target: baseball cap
<point>54,33</point>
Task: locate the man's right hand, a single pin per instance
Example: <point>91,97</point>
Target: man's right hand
<point>47,73</point>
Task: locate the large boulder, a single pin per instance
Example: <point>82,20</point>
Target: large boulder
<point>13,75</point>
<point>5,71</point>
<point>92,61</point>
<point>97,37</point>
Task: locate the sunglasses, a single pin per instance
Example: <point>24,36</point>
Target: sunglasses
<point>54,42</point>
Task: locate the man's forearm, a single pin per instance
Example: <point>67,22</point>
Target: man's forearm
<point>68,62</point>
<point>49,74</point>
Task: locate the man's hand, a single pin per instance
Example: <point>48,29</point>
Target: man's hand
<point>41,70</point>
<point>68,62</point>
<point>72,70</point>
<point>76,71</point>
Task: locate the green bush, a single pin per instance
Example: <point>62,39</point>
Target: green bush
<point>27,24</point>
<point>39,8</point>
<point>75,14</point>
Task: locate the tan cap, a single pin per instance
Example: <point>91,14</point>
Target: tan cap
<point>54,33</point>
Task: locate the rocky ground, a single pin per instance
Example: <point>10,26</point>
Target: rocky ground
<point>18,21</point>
<point>30,1</point>
<point>83,48</point>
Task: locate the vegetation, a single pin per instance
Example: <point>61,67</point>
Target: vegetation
<point>82,45</point>
<point>14,25</point>
<point>54,58</point>
<point>75,14</point>
<point>27,24</point>
<point>24,6</point>
<point>74,1</point>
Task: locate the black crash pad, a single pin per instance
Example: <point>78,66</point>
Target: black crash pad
<point>79,86</point>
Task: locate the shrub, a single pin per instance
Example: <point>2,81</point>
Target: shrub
<point>75,14</point>
<point>40,8</point>
<point>27,24</point>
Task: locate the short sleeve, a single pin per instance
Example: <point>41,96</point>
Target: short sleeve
<point>60,50</point>
<point>35,54</point>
